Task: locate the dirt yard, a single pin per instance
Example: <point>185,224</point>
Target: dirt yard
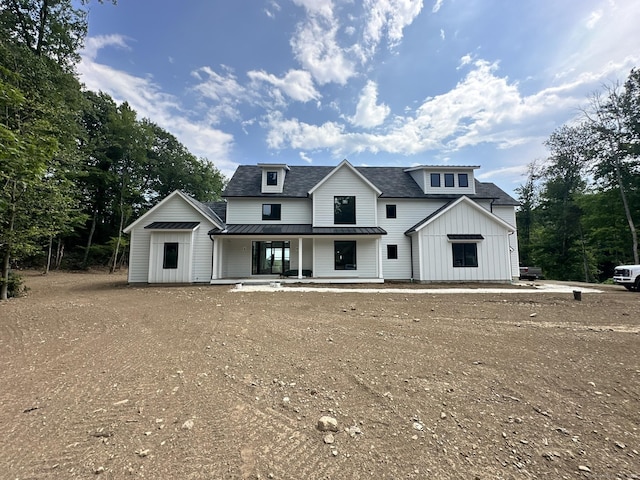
<point>99,379</point>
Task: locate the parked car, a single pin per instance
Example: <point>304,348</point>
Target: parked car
<point>628,276</point>
<point>530,273</point>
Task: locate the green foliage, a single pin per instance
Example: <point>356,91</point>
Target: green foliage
<point>15,285</point>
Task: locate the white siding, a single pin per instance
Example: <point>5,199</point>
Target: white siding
<point>508,214</point>
<point>366,258</point>
<point>249,210</point>
<point>493,251</point>
<point>344,182</point>
<point>408,213</point>
<point>236,257</point>
<point>175,209</point>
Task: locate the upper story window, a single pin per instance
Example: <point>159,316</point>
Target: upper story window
<point>463,180</point>
<point>344,210</point>
<point>271,211</point>
<point>435,179</point>
<point>391,211</point>
<point>448,180</point>
<point>272,178</point>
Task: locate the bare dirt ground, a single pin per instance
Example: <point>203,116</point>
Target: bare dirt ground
<point>99,379</point>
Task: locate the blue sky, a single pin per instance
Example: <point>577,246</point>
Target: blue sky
<point>378,82</point>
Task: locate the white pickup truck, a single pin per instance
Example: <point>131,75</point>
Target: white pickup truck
<point>628,276</point>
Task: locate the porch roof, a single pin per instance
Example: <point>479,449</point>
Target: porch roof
<point>294,229</point>
<point>172,225</point>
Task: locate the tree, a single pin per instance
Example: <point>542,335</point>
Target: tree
<point>529,197</point>
<point>614,121</point>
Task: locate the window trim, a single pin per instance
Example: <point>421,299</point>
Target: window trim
<point>392,210</point>
<point>344,265</point>
<point>271,216</point>
<point>464,184</point>
<point>335,217</point>
<point>436,180</point>
<point>392,252</point>
<point>173,265</point>
<point>272,178</point>
<point>449,180</point>
<point>465,246</point>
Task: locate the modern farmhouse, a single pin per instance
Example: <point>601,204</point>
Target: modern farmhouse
<point>332,224</point>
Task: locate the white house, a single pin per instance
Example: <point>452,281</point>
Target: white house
<point>332,224</point>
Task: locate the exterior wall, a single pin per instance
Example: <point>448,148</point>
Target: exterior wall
<point>508,214</point>
<point>182,274</point>
<point>249,210</point>
<point>437,257</point>
<point>366,258</point>
<point>408,213</point>
<point>236,257</point>
<point>344,182</point>
<point>174,210</point>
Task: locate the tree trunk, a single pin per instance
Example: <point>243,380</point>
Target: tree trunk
<point>89,240</point>
<point>59,253</point>
<point>44,11</point>
<point>627,212</point>
<point>48,266</point>
<point>6,259</point>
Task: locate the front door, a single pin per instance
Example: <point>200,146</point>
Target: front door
<point>269,258</point>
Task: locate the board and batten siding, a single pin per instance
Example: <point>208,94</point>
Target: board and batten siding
<point>175,209</point>
<point>366,258</point>
<point>181,274</point>
<point>249,210</point>
<point>437,252</point>
<point>408,213</point>
<point>344,182</point>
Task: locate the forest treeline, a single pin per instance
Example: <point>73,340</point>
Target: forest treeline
<point>75,166</point>
<point>580,207</point>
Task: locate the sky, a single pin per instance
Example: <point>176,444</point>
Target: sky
<point>376,82</point>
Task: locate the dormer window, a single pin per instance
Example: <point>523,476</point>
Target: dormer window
<point>448,180</point>
<point>435,179</point>
<point>272,178</point>
<point>463,180</point>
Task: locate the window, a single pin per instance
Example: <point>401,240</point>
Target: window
<point>391,211</point>
<point>463,180</point>
<point>344,210</point>
<point>448,179</point>
<point>465,254</point>
<point>435,179</point>
<point>345,255</point>
<point>271,211</point>
<point>392,252</point>
<point>272,178</point>
<point>170,258</point>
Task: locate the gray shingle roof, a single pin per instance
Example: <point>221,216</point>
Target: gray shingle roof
<point>394,182</point>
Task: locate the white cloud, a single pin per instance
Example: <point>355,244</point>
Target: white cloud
<point>149,101</point>
<point>305,157</point>
<point>391,16</point>
<point>297,84</point>
<point>323,8</point>
<point>594,18</point>
<point>368,113</point>
<point>465,60</point>
<point>442,34</point>
<point>436,6</point>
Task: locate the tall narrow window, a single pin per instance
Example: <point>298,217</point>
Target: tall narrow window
<point>344,210</point>
<point>170,257</point>
<point>345,255</point>
<point>465,255</point>
<point>391,211</point>
<point>463,180</point>
<point>448,179</point>
<point>435,179</point>
<point>392,252</point>
<point>271,211</point>
<point>272,178</point>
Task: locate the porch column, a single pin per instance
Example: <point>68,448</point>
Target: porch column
<point>379,246</point>
<point>299,258</point>
<point>216,258</point>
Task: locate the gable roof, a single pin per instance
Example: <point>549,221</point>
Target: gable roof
<point>203,208</point>
<point>393,182</point>
<point>450,206</point>
<point>346,164</point>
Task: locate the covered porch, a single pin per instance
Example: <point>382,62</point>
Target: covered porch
<point>260,254</point>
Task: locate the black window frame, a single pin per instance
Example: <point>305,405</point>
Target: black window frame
<point>465,255</point>
<point>275,208</point>
<point>169,258</point>
<point>435,180</point>
<point>392,252</point>
<point>272,178</point>
<point>449,180</point>
<point>392,211</point>
<point>345,255</point>
<point>464,183</point>
<point>348,216</point>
